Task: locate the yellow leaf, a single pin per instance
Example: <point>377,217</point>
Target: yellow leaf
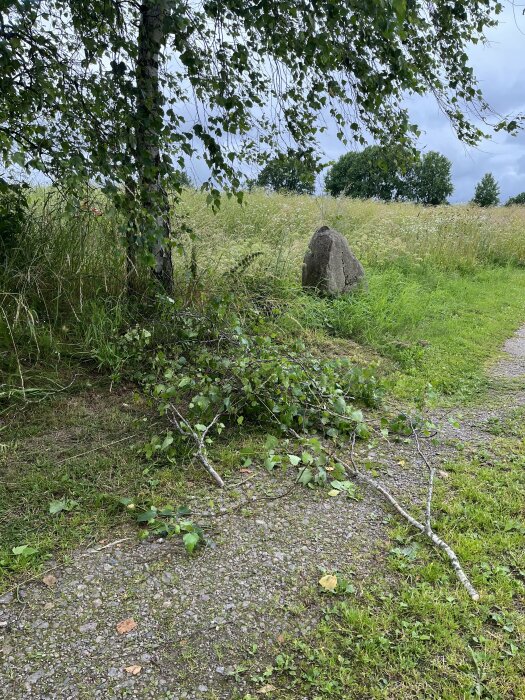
<point>133,670</point>
<point>126,626</point>
<point>328,582</point>
<point>334,492</point>
<point>49,581</point>
<point>266,689</point>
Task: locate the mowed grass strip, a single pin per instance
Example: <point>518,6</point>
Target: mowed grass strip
<point>83,450</point>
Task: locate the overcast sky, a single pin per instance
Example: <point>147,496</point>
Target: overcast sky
<point>499,67</point>
<point>500,71</point>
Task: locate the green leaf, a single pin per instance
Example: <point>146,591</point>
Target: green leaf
<point>294,460</point>
<point>18,158</point>
<point>56,507</point>
<point>24,550</point>
<point>305,477</point>
<point>65,504</point>
<point>150,514</point>
<point>168,440</point>
<point>271,442</point>
<point>191,540</point>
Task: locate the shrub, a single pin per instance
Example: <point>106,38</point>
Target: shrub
<point>519,199</point>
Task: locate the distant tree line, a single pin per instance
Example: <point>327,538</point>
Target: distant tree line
<point>392,173</point>
<point>387,173</point>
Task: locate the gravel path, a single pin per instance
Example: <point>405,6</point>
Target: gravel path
<point>512,364</point>
<point>195,619</point>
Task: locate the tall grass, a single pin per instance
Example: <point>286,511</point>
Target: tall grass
<point>457,237</point>
<point>64,260</point>
<point>446,284</point>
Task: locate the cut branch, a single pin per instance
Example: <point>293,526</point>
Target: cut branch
<point>426,529</point>
<point>186,430</point>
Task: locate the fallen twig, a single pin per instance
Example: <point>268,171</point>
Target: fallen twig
<point>110,544</point>
<point>426,528</point>
<point>179,421</point>
<point>100,447</point>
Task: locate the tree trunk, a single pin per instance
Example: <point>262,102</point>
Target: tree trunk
<point>130,211</point>
<point>153,197</point>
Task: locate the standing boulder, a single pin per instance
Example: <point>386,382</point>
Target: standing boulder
<point>329,266</point>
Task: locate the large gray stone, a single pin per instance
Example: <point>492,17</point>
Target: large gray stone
<point>329,266</point>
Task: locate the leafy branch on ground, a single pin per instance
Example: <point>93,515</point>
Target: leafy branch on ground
<point>227,371</point>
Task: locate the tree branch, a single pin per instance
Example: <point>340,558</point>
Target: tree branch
<point>185,429</point>
<point>426,529</point>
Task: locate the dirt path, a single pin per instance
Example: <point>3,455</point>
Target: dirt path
<point>198,618</point>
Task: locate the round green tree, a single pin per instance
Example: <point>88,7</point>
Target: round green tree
<point>487,192</point>
<point>430,180</point>
<point>376,172</point>
<point>288,173</point>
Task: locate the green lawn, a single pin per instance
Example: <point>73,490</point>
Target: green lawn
<point>440,327</point>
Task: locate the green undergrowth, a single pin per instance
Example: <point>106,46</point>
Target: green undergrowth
<point>445,283</point>
<point>437,327</point>
<point>445,288</point>
<point>416,633</point>
<point>66,462</point>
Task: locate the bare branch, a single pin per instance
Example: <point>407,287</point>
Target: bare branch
<point>352,470</point>
<point>179,421</point>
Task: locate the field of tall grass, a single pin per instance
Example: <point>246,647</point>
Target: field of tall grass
<point>446,285</point>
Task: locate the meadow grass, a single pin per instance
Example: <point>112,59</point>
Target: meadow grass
<point>446,284</point>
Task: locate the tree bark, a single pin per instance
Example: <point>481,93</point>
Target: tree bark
<point>153,197</point>
<point>131,237</point>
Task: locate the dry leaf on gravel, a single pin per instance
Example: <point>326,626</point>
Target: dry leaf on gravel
<point>328,582</point>
<point>267,689</point>
<point>443,474</point>
<point>133,670</point>
<point>126,625</point>
<point>49,581</point>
